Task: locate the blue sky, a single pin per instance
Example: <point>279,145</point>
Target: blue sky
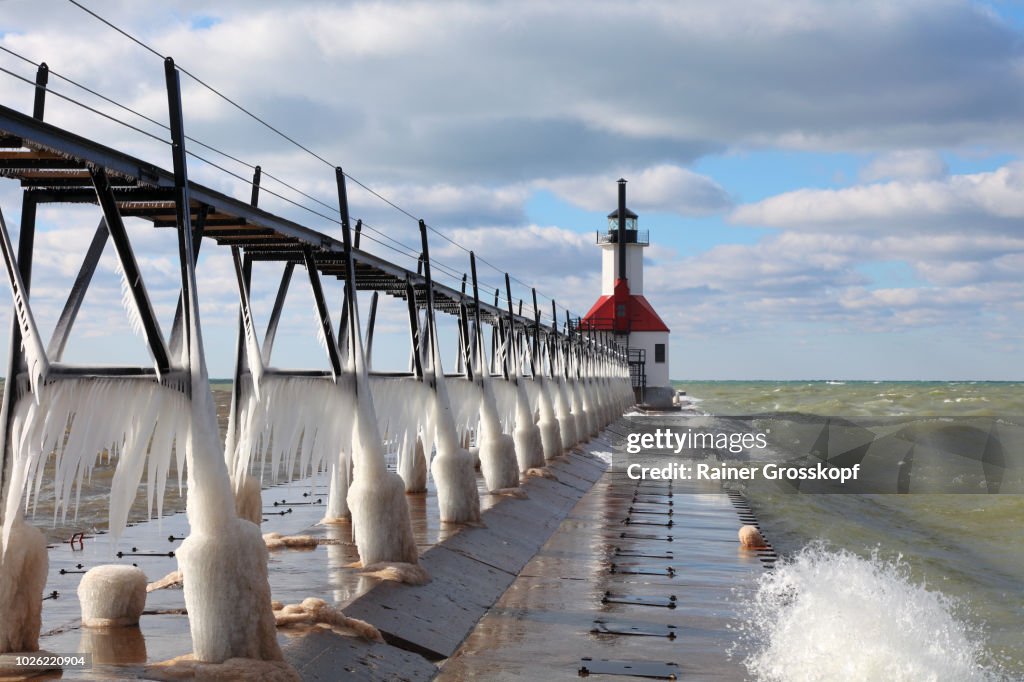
<point>833,189</point>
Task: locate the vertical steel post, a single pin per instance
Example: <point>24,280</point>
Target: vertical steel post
<point>15,356</point>
<point>370,323</point>
<point>414,330</point>
<point>182,204</point>
<point>430,302</point>
<point>351,308</point>
<point>39,103</point>
<point>478,346</point>
<point>241,363</point>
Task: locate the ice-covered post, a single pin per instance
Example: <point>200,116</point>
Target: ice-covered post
<point>248,497</point>
<point>452,466</point>
<point>529,448</point>
<point>497,450</point>
<point>224,559</point>
<point>23,558</point>
<point>550,431</point>
<point>560,379</point>
<point>376,498</point>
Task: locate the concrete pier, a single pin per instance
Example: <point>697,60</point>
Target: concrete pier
<point>544,584</point>
<point>674,601</point>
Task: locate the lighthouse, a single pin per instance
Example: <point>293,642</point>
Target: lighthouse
<point>622,308</point>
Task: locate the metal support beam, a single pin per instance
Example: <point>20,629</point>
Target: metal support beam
<point>414,330</point>
<point>434,355</point>
<point>55,350</point>
<point>351,303</point>
<point>246,326</point>
<point>323,313</point>
<point>275,313</point>
<point>132,273</point>
<point>465,342</point>
<point>370,324</point>
<point>179,316</point>
<point>510,335</point>
<point>183,216</point>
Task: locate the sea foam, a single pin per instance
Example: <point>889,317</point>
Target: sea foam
<point>830,614</point>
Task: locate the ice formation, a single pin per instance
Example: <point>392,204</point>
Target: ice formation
<point>399,406</point>
<point>380,515</point>
<point>381,523</point>
<point>278,541</point>
<point>750,537</point>
<point>113,595</point>
<point>187,667</point>
<point>566,419</point>
<point>550,430</point>
<point>249,499</point>
<point>297,427</point>
<point>410,574</point>
<point>313,611</point>
<point>82,420</point>
<point>517,406</point>
<point>498,461</point>
<point>452,466</point>
<point>223,561</point>
<point>23,567</point>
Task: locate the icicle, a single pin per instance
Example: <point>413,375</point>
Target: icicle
<point>31,343</point>
<point>297,427</point>
<point>78,419</point>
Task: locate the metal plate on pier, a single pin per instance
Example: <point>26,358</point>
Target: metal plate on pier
<point>639,600</point>
<point>645,536</point>
<point>640,554</point>
<point>647,669</point>
<point>608,627</point>
<point>641,570</point>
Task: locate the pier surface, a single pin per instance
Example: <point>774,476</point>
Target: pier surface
<point>599,573</point>
<point>520,598</point>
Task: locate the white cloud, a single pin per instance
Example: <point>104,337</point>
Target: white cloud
<point>908,164</point>
<point>662,188</point>
<point>965,202</point>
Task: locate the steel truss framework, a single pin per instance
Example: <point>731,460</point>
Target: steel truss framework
<point>57,166</point>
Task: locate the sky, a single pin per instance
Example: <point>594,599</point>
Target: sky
<point>833,189</point>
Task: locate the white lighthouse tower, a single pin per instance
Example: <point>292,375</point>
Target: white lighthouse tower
<point>622,308</point>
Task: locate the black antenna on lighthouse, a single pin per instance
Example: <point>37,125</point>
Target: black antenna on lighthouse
<point>622,229</point>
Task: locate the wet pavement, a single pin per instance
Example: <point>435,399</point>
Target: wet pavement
<point>660,598</point>
<point>647,574</point>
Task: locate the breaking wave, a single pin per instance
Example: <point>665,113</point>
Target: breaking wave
<point>829,614</point>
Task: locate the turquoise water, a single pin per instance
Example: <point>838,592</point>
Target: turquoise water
<point>965,550</point>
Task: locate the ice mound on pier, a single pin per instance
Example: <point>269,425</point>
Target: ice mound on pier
<point>23,567</point>
<point>550,429</point>
<point>112,596</point>
<point>380,514</point>
<point>315,612</point>
<point>452,466</point>
<point>227,572</point>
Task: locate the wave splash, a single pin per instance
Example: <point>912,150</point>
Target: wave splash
<point>829,614</point>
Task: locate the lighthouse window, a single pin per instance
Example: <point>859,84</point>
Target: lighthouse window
<point>620,310</point>
<point>659,352</point>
